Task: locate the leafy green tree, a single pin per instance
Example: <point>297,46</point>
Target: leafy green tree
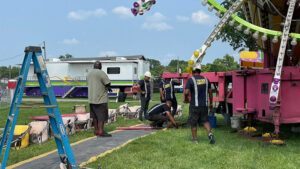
<point>172,66</point>
<point>236,39</point>
<point>156,68</point>
<point>5,71</point>
<point>225,64</point>
<point>66,56</point>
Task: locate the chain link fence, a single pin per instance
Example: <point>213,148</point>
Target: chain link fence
<point>4,96</point>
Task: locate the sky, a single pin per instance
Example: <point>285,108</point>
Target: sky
<point>93,28</point>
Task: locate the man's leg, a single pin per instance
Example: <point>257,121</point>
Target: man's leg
<point>161,119</point>
<point>94,117</point>
<point>101,126</point>
<point>103,117</point>
<point>146,108</point>
<point>143,104</point>
<point>96,127</point>
<point>152,118</point>
<point>194,133</point>
<point>210,134</point>
<point>174,106</point>
<point>206,124</point>
<point>193,122</point>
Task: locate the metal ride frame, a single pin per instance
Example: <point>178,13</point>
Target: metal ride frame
<point>198,55</point>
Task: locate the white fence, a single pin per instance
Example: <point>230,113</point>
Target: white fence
<point>4,98</point>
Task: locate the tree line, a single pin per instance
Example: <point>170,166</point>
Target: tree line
<point>224,64</point>
<point>9,72</point>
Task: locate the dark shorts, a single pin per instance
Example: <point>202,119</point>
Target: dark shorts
<point>99,112</point>
<point>197,116</point>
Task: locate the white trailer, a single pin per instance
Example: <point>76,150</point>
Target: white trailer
<point>122,71</point>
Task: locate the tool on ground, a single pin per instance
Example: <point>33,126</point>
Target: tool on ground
<point>33,53</point>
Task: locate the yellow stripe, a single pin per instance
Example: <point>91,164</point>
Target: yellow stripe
<point>48,153</point>
<point>94,158</point>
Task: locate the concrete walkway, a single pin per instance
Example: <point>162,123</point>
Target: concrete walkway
<point>87,149</point>
<point>73,100</point>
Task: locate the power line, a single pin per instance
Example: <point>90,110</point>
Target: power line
<point>12,57</point>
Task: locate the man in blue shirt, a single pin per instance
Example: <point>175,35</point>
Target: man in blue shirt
<point>161,113</point>
<point>167,92</point>
<point>198,88</point>
<point>144,89</point>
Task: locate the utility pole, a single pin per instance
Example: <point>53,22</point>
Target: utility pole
<point>177,64</point>
<point>44,47</point>
<point>9,72</point>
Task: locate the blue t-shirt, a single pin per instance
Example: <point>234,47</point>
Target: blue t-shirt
<point>145,87</point>
<point>199,97</point>
<point>168,88</point>
<point>158,109</point>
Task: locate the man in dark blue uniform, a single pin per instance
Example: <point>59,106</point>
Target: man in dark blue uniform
<point>144,89</point>
<point>167,92</point>
<point>161,113</point>
<point>199,87</point>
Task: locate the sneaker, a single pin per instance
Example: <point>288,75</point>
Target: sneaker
<point>104,134</point>
<point>211,138</point>
<point>195,141</point>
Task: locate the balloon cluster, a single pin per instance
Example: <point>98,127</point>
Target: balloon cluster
<point>141,6</point>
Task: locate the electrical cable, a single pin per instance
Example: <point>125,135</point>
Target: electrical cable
<point>279,13</point>
<point>12,57</point>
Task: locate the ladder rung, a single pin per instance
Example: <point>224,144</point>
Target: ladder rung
<point>37,106</point>
<point>57,136</point>
<point>21,77</point>
<point>45,93</point>
<point>37,71</point>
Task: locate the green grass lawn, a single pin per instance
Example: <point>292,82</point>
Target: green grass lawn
<point>65,108</point>
<point>174,149</point>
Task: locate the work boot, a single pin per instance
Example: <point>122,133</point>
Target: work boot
<point>211,138</point>
<point>104,134</point>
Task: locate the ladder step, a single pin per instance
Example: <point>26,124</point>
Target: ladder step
<point>45,93</point>
<point>51,115</point>
<point>57,136</point>
<point>11,118</point>
<point>37,106</point>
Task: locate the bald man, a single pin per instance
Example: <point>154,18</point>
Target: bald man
<point>98,87</point>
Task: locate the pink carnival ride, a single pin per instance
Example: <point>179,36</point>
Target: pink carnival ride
<point>247,91</point>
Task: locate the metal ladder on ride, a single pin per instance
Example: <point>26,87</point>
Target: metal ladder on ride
<point>235,6</point>
<point>33,53</point>
<point>274,91</point>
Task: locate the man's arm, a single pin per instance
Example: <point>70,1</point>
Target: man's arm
<point>186,95</point>
<point>139,89</point>
<point>108,87</point>
<point>171,118</point>
<point>162,94</point>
